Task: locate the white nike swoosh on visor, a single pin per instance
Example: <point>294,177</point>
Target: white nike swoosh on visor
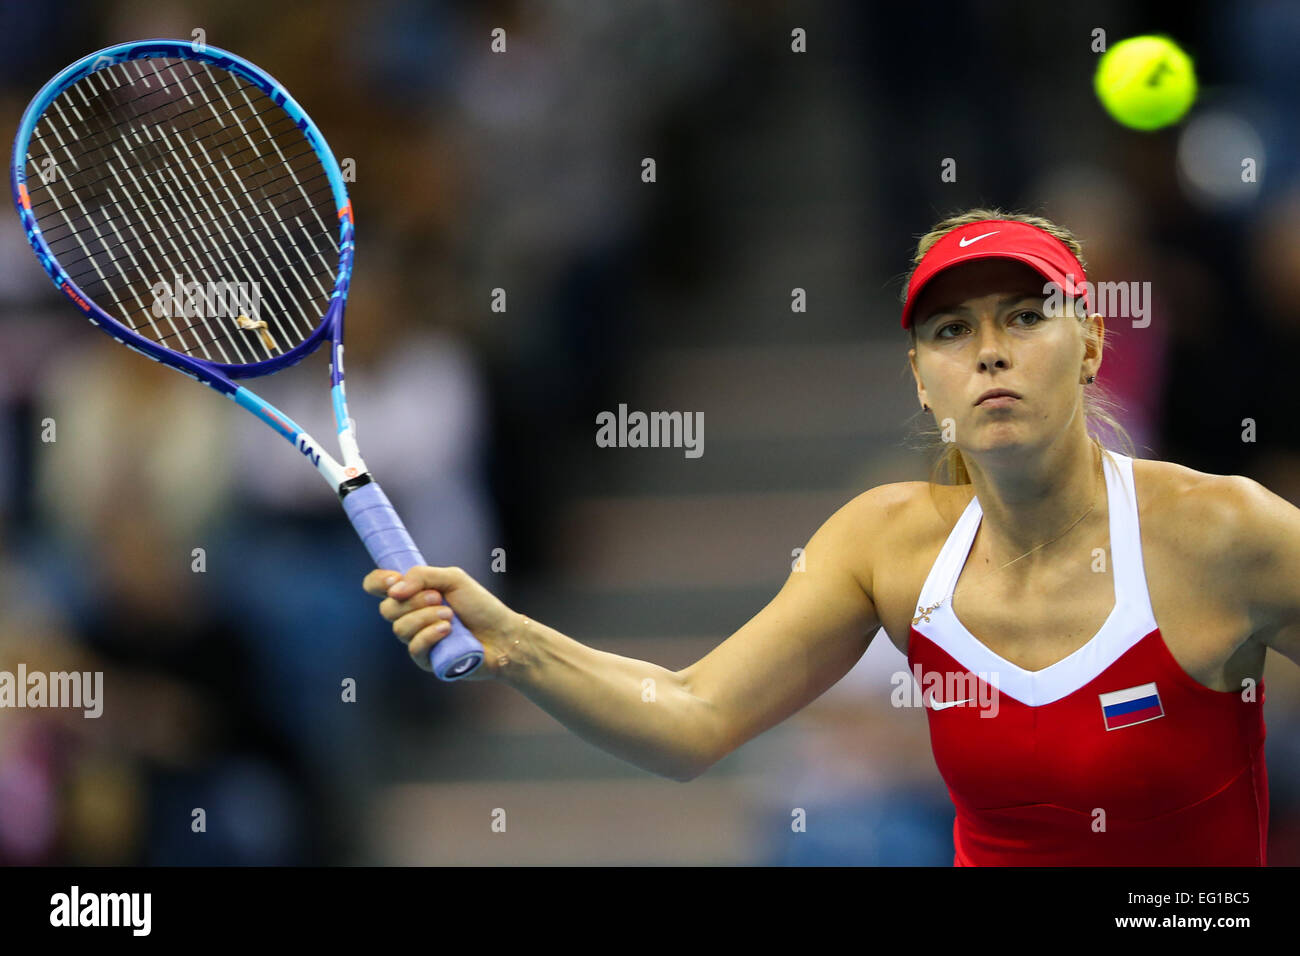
<point>966,241</point>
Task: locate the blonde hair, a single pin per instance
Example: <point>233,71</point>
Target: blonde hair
<point>1098,406</point>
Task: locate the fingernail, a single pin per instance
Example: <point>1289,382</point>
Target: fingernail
<point>431,599</point>
<point>389,581</point>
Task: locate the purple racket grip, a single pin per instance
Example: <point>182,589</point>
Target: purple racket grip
<point>459,653</point>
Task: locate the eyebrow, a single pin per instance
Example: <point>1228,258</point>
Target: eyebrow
<point>1002,304</point>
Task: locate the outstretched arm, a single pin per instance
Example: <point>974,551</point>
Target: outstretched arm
<point>673,723</point>
<point>809,635</point>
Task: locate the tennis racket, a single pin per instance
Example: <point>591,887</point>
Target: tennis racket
<point>182,199</point>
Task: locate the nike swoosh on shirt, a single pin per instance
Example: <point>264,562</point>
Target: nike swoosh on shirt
<point>967,240</point>
<point>940,705</point>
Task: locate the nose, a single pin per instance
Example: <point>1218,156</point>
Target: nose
<point>992,347</point>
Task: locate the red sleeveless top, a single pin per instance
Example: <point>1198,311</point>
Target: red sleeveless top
<point>1112,756</point>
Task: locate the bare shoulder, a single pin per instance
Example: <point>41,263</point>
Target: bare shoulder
<point>1166,477</point>
<point>1239,539</point>
<point>895,520</point>
<point>1213,528</point>
<point>900,507</point>
<point>1195,509</point>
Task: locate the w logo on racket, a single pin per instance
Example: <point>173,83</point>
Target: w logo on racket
<point>307,449</point>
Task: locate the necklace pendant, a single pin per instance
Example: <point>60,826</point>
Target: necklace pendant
<point>923,613</point>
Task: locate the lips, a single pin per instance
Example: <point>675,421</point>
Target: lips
<point>995,393</point>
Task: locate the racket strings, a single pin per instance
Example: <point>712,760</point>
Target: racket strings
<point>190,118</point>
<point>259,185</point>
<point>149,243</point>
<point>161,336</point>
<point>178,172</point>
<point>322,183</point>
<point>170,236</point>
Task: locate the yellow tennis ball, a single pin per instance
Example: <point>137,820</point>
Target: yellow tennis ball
<point>1146,82</point>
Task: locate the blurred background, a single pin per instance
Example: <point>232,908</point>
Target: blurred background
<point>521,171</point>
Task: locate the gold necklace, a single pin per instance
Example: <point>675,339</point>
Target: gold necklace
<point>924,613</point>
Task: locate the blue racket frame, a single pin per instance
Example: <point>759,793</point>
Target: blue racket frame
<point>459,653</point>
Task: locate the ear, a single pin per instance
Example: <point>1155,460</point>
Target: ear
<point>916,374</point>
<point>1094,338</point>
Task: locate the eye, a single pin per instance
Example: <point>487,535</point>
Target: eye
<point>1035,316</point>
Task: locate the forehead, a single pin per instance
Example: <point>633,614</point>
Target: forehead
<point>967,281</point>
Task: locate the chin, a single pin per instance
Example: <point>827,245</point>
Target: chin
<point>1000,438</point>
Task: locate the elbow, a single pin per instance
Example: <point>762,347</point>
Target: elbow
<point>689,773</point>
<point>694,769</point>
<point>686,776</point>
<point>705,733</point>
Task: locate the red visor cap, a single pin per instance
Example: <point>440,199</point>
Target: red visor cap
<point>1001,239</point>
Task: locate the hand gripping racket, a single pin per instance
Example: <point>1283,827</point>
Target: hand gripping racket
<point>181,198</point>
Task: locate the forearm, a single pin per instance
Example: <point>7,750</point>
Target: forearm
<point>635,710</point>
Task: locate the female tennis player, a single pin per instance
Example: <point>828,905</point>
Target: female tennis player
<point>1089,628</point>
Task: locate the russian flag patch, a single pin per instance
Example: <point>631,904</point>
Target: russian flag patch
<point>1123,708</point>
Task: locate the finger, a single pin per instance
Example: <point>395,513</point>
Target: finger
<point>391,610</point>
<point>422,577</point>
<point>423,642</point>
<point>378,581</point>
<point>409,625</point>
<point>412,581</point>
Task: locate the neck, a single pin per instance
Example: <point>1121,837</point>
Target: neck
<point>1027,503</point>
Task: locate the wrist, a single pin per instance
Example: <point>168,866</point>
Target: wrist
<point>517,657</point>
